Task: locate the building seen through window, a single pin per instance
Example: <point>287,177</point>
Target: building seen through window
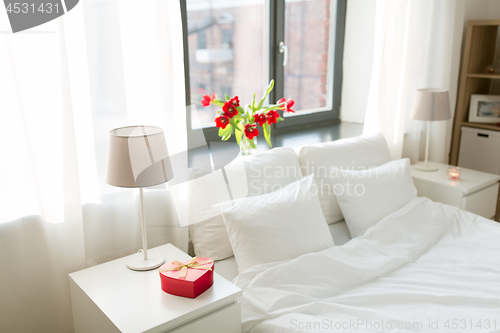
<point>228,44</point>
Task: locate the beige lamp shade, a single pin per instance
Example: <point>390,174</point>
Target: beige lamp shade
<point>431,104</point>
<point>137,157</point>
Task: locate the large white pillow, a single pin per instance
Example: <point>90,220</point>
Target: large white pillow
<point>349,154</point>
<point>248,176</point>
<point>280,225</point>
<point>367,196</point>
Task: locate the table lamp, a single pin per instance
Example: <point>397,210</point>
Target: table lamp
<point>138,157</point>
<point>430,105</point>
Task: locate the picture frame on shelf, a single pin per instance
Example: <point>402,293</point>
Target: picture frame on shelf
<point>484,109</point>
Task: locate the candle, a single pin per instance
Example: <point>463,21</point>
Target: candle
<point>454,173</point>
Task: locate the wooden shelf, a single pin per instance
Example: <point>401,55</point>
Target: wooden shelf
<point>484,22</point>
<point>479,50</point>
<point>491,127</point>
<point>484,76</point>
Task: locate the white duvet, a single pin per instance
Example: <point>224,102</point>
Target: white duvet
<point>427,267</point>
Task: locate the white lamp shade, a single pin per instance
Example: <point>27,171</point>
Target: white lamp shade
<point>137,157</point>
<point>431,104</point>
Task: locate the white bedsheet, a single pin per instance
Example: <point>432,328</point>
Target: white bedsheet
<point>421,268</point>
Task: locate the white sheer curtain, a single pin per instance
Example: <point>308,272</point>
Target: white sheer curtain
<point>417,45</point>
<point>64,85</point>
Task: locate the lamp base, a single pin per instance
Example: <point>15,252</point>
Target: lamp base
<point>422,166</point>
<point>137,262</point>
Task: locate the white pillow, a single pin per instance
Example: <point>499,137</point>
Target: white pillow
<point>367,196</point>
<point>248,176</point>
<point>280,225</point>
<point>348,154</point>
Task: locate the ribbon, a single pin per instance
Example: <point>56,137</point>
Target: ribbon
<point>183,267</point>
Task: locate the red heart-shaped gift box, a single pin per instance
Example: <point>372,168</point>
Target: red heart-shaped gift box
<point>188,279</point>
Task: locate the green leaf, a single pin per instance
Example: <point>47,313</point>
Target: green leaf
<point>241,111</point>
<point>233,123</point>
<point>240,127</point>
<point>253,102</point>
<point>267,134</point>
<point>270,86</point>
<point>252,144</point>
<point>238,135</point>
<point>261,102</point>
<point>218,103</point>
<point>226,132</point>
<point>268,90</point>
<point>279,119</point>
<point>272,107</point>
<point>227,97</point>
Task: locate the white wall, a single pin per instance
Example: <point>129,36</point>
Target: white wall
<point>358,50</point>
<point>481,10</point>
<point>358,59</point>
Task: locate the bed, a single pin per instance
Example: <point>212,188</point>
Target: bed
<point>426,267</point>
<point>376,260</point>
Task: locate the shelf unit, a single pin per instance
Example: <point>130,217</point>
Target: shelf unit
<point>484,76</point>
<point>479,52</point>
<point>492,127</point>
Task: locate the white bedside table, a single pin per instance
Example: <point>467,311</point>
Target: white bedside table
<point>112,298</point>
<point>475,191</point>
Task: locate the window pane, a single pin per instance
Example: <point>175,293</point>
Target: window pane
<point>308,36</point>
<point>227,44</point>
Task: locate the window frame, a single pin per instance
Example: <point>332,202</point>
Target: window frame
<point>276,20</point>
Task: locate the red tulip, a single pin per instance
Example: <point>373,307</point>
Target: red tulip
<point>260,118</point>
<point>251,131</point>
<point>229,110</point>
<point>221,121</point>
<point>288,104</point>
<point>235,101</point>
<point>272,116</point>
<point>207,100</point>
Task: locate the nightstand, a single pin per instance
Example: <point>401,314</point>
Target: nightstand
<point>112,298</point>
<point>475,191</point>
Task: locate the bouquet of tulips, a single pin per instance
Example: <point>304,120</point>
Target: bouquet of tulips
<point>238,120</point>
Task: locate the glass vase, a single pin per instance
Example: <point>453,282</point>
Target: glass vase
<point>246,146</point>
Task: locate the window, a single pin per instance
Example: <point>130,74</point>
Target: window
<point>227,37</point>
<point>241,53</point>
<point>233,59</point>
<point>202,39</point>
<point>308,40</point>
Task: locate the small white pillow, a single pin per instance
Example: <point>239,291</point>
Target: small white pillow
<point>280,225</point>
<point>262,173</point>
<point>367,196</point>
<point>357,153</point>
